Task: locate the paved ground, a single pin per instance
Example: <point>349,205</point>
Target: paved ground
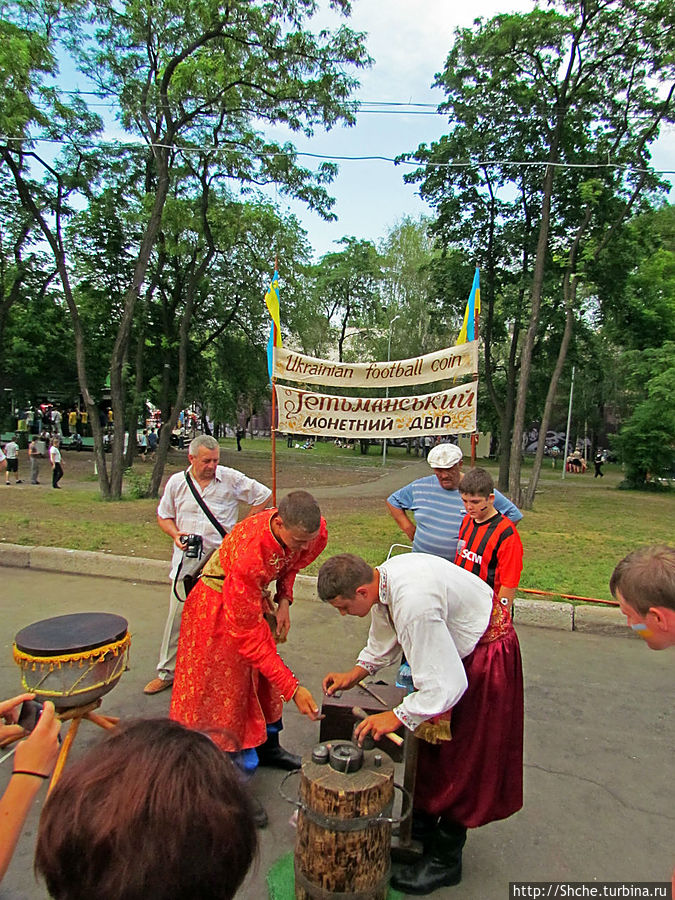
<point>599,741</point>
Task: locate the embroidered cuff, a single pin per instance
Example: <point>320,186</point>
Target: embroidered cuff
<point>293,693</point>
<point>410,721</point>
<point>370,668</point>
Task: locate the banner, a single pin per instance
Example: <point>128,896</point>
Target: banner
<point>446,412</point>
<point>453,362</point>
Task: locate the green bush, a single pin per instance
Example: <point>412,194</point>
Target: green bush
<point>138,484</point>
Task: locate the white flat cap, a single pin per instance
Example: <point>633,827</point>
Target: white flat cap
<point>444,456</point>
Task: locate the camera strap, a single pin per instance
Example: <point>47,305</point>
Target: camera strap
<point>200,500</point>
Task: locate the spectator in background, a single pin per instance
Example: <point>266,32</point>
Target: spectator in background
<point>437,505</point>
<point>240,434</point>
<point>72,421</point>
<point>12,455</point>
<point>56,463</point>
<point>34,460</point>
<point>56,421</point>
<point>152,443</point>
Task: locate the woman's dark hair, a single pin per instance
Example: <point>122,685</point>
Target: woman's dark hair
<point>154,812</point>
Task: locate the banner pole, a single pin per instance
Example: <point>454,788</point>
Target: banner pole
<point>476,325</point>
<point>273,434</point>
<point>273,423</point>
<point>273,429</point>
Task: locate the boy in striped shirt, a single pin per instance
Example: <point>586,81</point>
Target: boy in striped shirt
<point>489,544</point>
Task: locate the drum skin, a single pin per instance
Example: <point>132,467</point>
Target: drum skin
<point>72,660</point>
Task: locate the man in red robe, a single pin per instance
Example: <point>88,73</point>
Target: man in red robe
<point>230,679</point>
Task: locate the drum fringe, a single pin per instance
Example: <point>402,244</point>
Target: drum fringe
<point>97,653</point>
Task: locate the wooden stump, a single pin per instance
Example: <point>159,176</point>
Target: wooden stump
<point>339,848</point>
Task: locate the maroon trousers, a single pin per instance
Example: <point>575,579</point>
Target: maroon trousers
<point>477,777</point>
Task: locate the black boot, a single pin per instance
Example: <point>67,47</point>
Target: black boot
<point>271,753</point>
<point>424,827</point>
<point>441,867</point>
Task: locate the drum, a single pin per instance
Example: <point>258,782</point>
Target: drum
<point>73,660</point>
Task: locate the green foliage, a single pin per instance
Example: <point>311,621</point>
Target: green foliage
<point>647,440</point>
<point>138,483</point>
<point>346,289</point>
<point>574,85</point>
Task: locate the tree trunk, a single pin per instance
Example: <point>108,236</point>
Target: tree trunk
<point>528,497</point>
<point>120,349</point>
<point>526,356</point>
<point>570,296</point>
<point>539,270</point>
<point>192,287</point>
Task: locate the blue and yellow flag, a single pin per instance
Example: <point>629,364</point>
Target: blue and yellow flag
<point>467,332</point>
<point>272,302</point>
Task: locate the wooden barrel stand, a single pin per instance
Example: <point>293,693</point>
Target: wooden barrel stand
<point>341,849</point>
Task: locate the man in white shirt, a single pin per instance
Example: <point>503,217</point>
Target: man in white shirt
<point>56,463</point>
<point>12,456</point>
<point>179,515</point>
<point>439,615</point>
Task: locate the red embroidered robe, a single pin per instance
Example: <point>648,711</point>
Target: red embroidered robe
<point>230,679</point>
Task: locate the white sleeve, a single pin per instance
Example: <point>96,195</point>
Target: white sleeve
<point>383,647</point>
<point>167,504</point>
<point>437,670</point>
<point>247,490</point>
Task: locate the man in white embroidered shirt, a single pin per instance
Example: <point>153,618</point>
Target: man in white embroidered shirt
<point>440,618</point>
<point>179,515</point>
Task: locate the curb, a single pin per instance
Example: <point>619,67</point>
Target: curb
<point>537,613</point>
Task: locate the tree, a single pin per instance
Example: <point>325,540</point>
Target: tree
<point>646,441</point>
<point>407,290</point>
<point>188,78</point>
<point>346,286</point>
<point>542,93</point>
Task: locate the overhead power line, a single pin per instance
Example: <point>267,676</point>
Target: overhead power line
<point>459,164</point>
<point>387,107</point>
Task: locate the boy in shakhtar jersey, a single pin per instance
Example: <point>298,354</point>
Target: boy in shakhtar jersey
<point>489,544</point>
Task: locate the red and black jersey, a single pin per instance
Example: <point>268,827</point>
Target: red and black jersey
<point>492,550</point>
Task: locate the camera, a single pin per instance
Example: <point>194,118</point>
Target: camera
<point>31,710</point>
<point>193,545</point>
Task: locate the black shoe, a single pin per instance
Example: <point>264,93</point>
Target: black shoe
<point>259,814</point>
<point>425,876</point>
<point>278,758</point>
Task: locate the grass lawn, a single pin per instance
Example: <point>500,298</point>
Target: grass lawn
<point>577,531</point>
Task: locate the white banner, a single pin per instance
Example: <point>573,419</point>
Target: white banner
<point>453,362</point>
<point>447,412</point>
